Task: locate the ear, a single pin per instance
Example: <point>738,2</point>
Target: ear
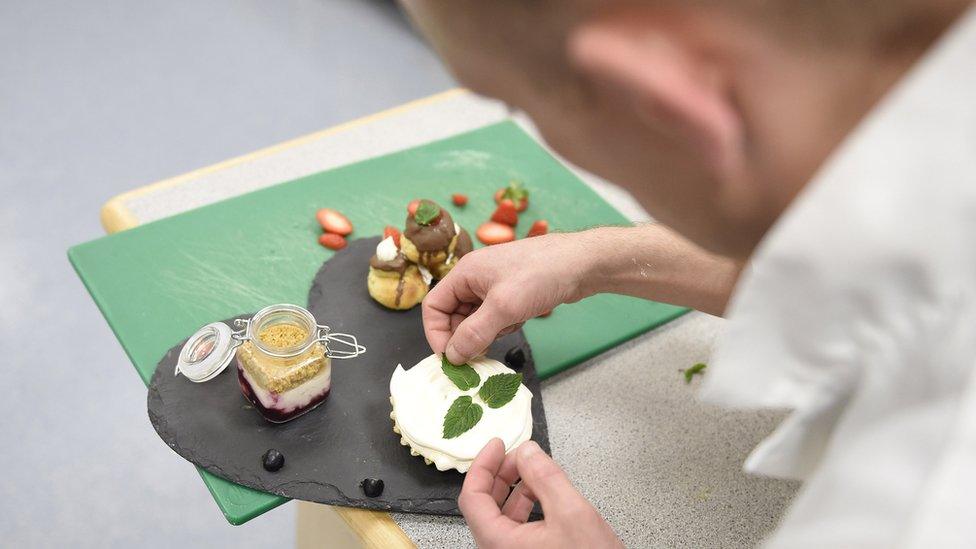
<point>652,62</point>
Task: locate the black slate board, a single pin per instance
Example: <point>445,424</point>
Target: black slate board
<point>330,450</point>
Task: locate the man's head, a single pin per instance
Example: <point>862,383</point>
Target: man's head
<point>712,113</point>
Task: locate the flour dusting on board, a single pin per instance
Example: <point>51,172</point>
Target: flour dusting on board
<point>464,159</point>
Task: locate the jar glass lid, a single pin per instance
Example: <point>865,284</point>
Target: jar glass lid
<point>207,352</point>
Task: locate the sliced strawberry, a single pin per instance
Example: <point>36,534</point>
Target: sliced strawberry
<point>514,192</point>
<point>505,213</point>
<point>495,233</point>
<point>394,232</point>
<point>332,241</point>
<point>333,221</point>
<point>459,199</point>
<point>412,206</point>
<point>538,228</point>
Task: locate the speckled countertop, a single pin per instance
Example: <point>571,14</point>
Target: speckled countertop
<point>663,468</point>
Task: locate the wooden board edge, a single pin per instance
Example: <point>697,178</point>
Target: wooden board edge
<point>375,529</point>
<point>116,216</point>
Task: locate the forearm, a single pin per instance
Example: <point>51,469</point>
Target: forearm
<point>652,262</point>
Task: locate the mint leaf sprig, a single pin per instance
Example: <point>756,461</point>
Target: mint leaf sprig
<point>463,414</point>
<point>698,369</point>
<point>500,389</point>
<point>463,375</point>
<point>427,212</point>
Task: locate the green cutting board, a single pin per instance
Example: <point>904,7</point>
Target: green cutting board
<point>157,283</point>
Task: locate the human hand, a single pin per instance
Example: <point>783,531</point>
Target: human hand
<point>498,519</point>
<point>493,290</point>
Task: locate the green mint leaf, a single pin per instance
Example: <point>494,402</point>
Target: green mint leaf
<point>696,369</point>
<point>463,376</point>
<point>500,389</point>
<point>463,414</point>
<point>426,213</point>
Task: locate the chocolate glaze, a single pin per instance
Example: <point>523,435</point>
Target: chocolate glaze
<point>399,292</point>
<point>463,245</point>
<point>435,237</point>
<point>399,264</point>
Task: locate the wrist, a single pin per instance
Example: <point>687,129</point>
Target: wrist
<point>591,247</point>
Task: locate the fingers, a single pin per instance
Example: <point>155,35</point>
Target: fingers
<point>452,296</point>
<point>476,332</point>
<point>519,504</point>
<point>546,479</point>
<point>437,325</point>
<point>507,475</point>
<point>511,329</point>
<point>477,503</point>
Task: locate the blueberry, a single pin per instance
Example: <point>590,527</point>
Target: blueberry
<point>273,460</point>
<point>372,487</point>
<point>515,357</point>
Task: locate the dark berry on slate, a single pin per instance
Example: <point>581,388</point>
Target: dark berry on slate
<point>273,460</point>
<point>372,487</point>
<point>515,358</point>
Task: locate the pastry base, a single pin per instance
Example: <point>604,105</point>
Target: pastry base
<point>414,451</point>
<point>431,260</point>
<point>383,287</point>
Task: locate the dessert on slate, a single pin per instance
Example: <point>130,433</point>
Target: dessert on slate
<point>446,413</point>
<point>393,281</point>
<point>284,365</point>
<point>283,369</point>
<point>430,236</point>
<point>401,271</point>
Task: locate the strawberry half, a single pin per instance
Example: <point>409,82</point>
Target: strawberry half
<point>394,232</point>
<point>333,221</point>
<point>459,199</point>
<point>538,228</point>
<point>505,213</point>
<point>332,241</point>
<point>412,206</point>
<point>495,233</point>
<point>514,192</point>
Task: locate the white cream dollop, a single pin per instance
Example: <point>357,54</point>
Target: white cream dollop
<point>421,397</point>
<point>387,250</point>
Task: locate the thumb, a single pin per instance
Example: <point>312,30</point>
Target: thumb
<point>476,332</point>
<point>546,479</point>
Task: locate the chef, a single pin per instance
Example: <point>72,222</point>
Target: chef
<point>812,168</point>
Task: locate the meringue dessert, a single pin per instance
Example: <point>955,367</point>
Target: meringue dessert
<point>393,281</point>
<point>284,371</point>
<point>447,413</point>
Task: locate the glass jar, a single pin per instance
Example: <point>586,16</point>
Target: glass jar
<point>284,362</point>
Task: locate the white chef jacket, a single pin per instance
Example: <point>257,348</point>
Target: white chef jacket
<point>858,313</point>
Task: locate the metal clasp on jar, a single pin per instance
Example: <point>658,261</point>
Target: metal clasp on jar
<point>325,336</point>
